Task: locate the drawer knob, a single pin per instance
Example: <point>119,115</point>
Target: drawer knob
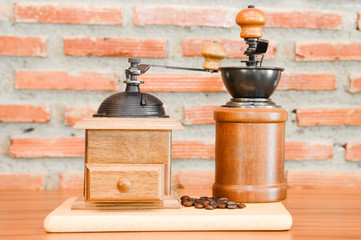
<point>123,185</point>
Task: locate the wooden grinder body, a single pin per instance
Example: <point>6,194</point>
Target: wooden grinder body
<point>250,154</point>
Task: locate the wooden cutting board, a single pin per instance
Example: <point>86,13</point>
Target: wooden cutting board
<point>256,216</point>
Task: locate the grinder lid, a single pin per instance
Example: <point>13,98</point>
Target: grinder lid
<point>131,105</point>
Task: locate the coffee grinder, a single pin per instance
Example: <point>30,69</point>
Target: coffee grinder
<point>250,128</point>
<point>127,174</point>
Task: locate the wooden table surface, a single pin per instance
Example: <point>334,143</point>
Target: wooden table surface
<point>317,214</point>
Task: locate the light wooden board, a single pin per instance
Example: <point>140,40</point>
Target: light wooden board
<point>256,216</point>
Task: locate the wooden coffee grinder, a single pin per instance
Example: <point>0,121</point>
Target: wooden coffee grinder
<point>250,128</point>
<point>128,150</point>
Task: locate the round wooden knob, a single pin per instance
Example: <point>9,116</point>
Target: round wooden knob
<point>124,185</point>
<point>213,54</point>
<point>251,20</point>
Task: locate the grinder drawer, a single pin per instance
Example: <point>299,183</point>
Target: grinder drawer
<point>124,182</point>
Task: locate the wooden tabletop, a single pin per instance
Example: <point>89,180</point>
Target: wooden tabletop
<point>317,214</point>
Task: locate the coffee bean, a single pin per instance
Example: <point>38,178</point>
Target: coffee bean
<point>210,203</point>
<point>209,207</point>
<point>241,205</point>
<point>188,204</point>
<point>203,199</point>
<point>198,205</point>
<point>222,205</point>
<point>231,206</point>
<point>184,197</point>
<point>214,204</point>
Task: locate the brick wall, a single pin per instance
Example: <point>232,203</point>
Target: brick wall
<point>60,59</point>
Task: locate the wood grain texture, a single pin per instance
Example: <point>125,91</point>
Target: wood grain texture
<point>318,214</point>
<point>213,54</point>
<point>310,179</point>
<point>128,123</point>
<point>251,20</point>
<point>261,216</point>
<point>127,146</point>
<point>250,145</point>
<point>147,183</point>
<point>171,201</point>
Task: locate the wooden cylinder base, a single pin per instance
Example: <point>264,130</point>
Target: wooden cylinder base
<point>250,154</point>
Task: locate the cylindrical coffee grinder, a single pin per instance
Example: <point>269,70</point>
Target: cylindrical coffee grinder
<point>250,128</point>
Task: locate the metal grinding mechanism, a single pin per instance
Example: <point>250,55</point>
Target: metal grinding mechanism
<point>251,86</point>
<point>132,103</point>
<point>250,128</point>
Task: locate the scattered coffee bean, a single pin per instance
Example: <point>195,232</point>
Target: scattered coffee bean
<point>209,207</point>
<point>210,203</point>
<point>198,205</point>
<point>188,204</point>
<point>231,206</point>
<point>184,198</point>
<point>241,205</point>
<point>214,204</point>
<point>222,205</point>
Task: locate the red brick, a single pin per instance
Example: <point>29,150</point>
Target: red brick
<point>353,151</point>
<point>303,19</point>
<point>294,150</point>
<point>328,116</point>
<point>47,147</point>
<point>328,51</point>
<point>235,48</point>
<point>182,82</point>
<point>195,179</point>
<point>297,150</point>
<point>115,47</point>
<point>23,46</point>
<point>76,113</point>
<point>307,179</point>
<point>24,113</point>
<point>358,23</point>
<point>355,82</point>
<point>306,117</point>
<point>199,115</point>
<point>304,81</point>
<point>183,16</point>
<point>44,12</point>
<point>21,181</point>
<point>193,149</point>
<point>60,80</point>
<point>71,180</point>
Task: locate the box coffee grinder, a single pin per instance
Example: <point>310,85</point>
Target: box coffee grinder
<point>250,128</point>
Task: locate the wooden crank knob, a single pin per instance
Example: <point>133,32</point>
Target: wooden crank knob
<point>124,185</point>
<point>213,54</point>
<point>251,21</point>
